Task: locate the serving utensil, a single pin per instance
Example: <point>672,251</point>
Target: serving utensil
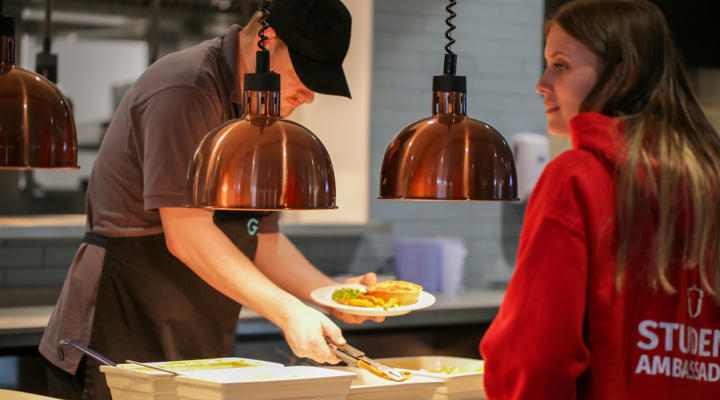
<point>153,367</point>
<point>356,358</point>
<point>100,358</point>
<point>95,355</point>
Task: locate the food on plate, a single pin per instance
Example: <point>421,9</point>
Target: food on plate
<point>345,293</point>
<point>387,294</point>
<point>356,298</point>
<point>452,370</point>
<point>403,292</point>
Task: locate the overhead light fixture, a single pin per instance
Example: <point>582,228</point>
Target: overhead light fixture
<point>37,129</point>
<point>261,161</point>
<point>448,156</point>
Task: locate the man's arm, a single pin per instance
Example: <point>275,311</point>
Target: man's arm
<point>193,238</point>
<point>283,264</point>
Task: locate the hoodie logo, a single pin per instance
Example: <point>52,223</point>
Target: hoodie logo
<point>252,226</point>
<point>694,294</point>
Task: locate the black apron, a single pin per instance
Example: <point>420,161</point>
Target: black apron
<point>152,307</point>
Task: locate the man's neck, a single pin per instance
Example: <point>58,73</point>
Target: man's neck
<point>246,57</point>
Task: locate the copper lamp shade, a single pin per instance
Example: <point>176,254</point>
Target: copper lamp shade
<point>261,162</point>
<point>37,129</point>
<point>448,156</point>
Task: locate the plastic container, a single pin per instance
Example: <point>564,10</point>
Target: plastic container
<point>531,156</point>
<point>367,386</point>
<point>453,265</point>
<point>135,382</point>
<point>435,263</point>
<point>460,385</point>
<point>299,382</point>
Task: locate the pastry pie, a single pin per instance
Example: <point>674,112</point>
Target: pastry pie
<point>404,292</point>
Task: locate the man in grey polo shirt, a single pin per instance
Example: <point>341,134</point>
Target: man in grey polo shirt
<point>155,281</point>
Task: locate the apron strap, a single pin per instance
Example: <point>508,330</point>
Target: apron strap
<point>95,239</point>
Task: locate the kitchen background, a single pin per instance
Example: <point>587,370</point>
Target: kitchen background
<point>499,45</point>
<point>397,46</point>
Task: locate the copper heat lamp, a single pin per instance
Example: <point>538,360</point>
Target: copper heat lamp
<point>448,156</point>
<point>260,161</point>
<point>37,129</point>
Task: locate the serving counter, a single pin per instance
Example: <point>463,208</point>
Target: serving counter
<point>23,326</point>
<point>451,327</point>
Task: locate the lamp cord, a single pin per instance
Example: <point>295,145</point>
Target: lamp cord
<point>451,26</point>
<point>262,56</point>
<point>264,23</point>
<point>449,66</point>
<point>48,26</point>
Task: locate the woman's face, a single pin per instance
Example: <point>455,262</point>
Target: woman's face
<point>572,70</point>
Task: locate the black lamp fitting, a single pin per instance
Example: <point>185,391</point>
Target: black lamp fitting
<point>450,64</point>
<point>263,79</point>
<point>7,26</point>
<point>262,61</point>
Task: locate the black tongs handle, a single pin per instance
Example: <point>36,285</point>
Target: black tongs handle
<point>84,349</point>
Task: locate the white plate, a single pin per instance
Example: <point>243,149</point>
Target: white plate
<point>323,296</point>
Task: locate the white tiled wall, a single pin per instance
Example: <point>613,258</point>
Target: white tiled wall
<point>499,47</point>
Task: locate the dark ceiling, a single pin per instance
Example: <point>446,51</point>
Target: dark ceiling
<point>693,23</point>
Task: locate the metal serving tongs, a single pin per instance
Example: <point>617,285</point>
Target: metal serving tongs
<point>101,359</point>
<point>356,358</point>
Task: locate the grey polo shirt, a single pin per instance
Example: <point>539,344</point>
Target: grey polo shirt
<point>142,165</point>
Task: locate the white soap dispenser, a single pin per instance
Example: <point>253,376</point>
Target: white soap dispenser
<point>531,155</point>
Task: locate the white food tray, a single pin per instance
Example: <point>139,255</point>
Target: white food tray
<point>367,386</point>
<point>135,382</point>
<point>456,386</point>
<point>300,382</point>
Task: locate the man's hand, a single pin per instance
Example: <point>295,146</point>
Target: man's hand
<point>305,329</point>
<point>366,279</point>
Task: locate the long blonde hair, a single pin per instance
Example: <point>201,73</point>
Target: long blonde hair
<point>670,175</point>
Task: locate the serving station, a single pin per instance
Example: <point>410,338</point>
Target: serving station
<point>452,327</point>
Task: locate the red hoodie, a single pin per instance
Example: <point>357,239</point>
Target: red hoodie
<point>563,330</point>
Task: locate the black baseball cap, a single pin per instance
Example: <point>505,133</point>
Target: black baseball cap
<point>317,33</point>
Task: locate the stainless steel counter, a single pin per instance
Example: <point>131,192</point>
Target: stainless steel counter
<point>42,226</point>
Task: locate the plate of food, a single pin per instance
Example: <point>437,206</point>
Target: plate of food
<point>382,299</point>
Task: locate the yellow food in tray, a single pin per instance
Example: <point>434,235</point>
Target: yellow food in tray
<point>387,294</point>
<point>452,370</point>
<point>195,365</point>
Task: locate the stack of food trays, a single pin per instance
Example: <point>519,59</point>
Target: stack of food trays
<point>135,382</point>
<point>462,377</point>
<point>299,382</point>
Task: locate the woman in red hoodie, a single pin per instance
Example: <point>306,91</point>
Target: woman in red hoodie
<point>616,288</point>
